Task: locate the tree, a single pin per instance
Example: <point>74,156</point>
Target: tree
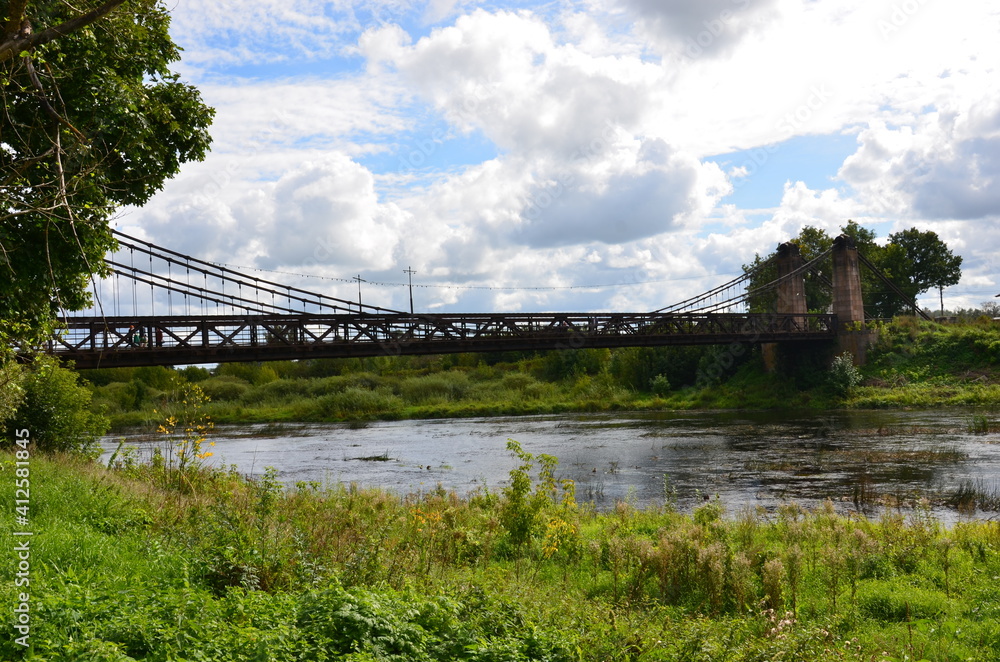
<point>93,119</point>
<point>915,262</point>
<point>912,260</point>
<point>56,409</point>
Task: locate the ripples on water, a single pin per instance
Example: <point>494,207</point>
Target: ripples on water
<point>859,460</point>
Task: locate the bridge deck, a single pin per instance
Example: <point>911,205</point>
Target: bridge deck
<point>137,341</point>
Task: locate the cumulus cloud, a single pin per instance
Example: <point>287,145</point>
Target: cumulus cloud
<point>598,173</point>
<point>328,213</point>
<point>651,194</point>
<point>573,169</point>
<point>503,73</point>
<point>945,165</point>
<point>700,27</point>
<point>319,216</point>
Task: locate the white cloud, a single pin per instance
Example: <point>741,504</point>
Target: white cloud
<point>318,216</point>
<point>707,27</point>
<point>245,32</point>
<point>943,165</point>
<point>572,170</point>
<point>598,174</point>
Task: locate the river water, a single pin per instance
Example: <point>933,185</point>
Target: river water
<point>859,460</point>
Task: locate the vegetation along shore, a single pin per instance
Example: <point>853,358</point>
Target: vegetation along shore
<point>914,363</point>
<point>171,561</point>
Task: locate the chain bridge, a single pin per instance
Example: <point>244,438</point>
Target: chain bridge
<point>210,314</point>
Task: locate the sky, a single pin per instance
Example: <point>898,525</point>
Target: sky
<point>578,155</point>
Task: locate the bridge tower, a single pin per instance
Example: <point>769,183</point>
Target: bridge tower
<point>791,291</point>
<point>791,295</point>
<point>852,336</point>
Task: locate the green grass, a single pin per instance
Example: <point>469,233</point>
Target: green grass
<point>147,564</point>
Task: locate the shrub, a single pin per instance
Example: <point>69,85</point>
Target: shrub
<point>843,374</point>
<point>158,377</point>
<point>518,381</point>
<point>659,385</point>
<point>254,373</point>
<point>225,388</point>
<point>449,386</point>
<point>56,409</point>
<point>194,374</point>
<point>356,402</point>
<point>280,390</point>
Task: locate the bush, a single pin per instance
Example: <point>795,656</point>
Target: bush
<point>560,364</point>
<point>448,386</point>
<point>225,388</point>
<point>56,409</point>
<point>253,373</point>
<point>843,374</point>
<point>357,402</point>
<point>282,390</point>
<point>659,385</point>
<point>194,374</point>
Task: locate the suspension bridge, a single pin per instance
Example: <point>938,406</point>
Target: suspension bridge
<point>201,312</point>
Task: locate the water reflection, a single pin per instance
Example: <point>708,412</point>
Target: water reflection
<point>856,459</point>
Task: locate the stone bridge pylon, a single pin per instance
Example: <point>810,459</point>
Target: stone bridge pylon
<point>848,306</point>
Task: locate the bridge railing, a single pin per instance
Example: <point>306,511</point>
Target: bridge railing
<point>150,340</point>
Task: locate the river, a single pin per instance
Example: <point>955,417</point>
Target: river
<point>859,460</point>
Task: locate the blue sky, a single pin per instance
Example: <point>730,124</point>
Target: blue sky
<point>579,154</point>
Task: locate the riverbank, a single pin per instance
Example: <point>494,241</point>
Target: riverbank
<point>915,364</point>
<point>149,563</point>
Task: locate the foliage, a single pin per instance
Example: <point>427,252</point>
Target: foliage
<point>93,119</point>
<point>56,409</point>
<point>812,242</point>
<point>659,385</point>
<point>917,261</point>
<point>246,570</point>
<point>572,363</point>
<point>913,260</point>
<point>637,367</point>
<point>186,428</point>
<point>11,391</point>
<point>843,374</point>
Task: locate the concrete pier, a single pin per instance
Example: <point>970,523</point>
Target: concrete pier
<point>852,336</point>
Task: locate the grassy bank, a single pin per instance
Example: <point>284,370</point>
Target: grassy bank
<point>147,563</point>
<point>925,364</point>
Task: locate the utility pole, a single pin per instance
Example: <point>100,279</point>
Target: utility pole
<point>409,274</point>
<point>360,280</point>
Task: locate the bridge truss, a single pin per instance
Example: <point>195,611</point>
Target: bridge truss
<point>208,313</point>
<point>130,341</point>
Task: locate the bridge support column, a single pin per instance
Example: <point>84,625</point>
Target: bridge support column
<point>852,336</point>
<point>791,290</point>
<point>791,296</point>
